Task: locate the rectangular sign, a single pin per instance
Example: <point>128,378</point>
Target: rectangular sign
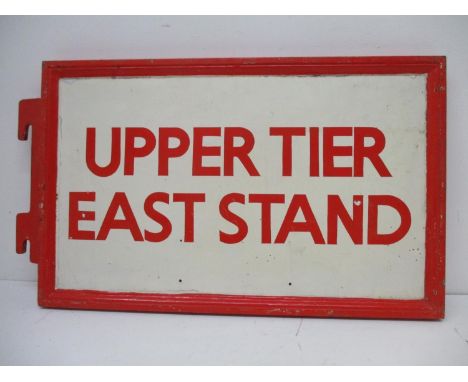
<point>279,186</point>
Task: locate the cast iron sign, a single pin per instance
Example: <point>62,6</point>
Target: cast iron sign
<point>260,186</point>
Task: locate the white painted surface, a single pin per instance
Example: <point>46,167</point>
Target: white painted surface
<point>394,104</point>
<point>31,335</point>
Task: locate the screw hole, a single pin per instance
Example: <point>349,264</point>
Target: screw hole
<point>289,284</point>
<point>180,280</point>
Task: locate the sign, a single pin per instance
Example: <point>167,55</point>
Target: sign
<point>274,186</point>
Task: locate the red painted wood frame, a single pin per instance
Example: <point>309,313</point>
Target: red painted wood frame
<point>38,226</point>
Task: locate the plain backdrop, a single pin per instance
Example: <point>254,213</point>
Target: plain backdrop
<point>27,41</point>
<point>31,335</point>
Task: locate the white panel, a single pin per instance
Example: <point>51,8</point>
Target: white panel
<point>394,104</point>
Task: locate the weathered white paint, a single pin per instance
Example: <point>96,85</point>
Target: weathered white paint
<point>395,104</point>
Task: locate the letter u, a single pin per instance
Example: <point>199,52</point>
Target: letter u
<point>114,162</point>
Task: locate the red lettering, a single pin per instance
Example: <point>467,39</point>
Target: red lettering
<point>119,201</point>
<point>75,215</point>
<point>353,224</point>
<point>287,133</point>
<point>132,152</point>
<point>375,201</point>
<point>239,152</point>
<point>200,151</point>
<point>370,152</point>
<point>266,200</point>
<point>330,151</point>
<point>165,152</point>
<point>299,203</point>
<point>189,201</point>
<point>166,226</point>
<point>314,161</point>
<point>242,228</point>
<point>91,153</point>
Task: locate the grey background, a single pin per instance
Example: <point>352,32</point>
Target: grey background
<point>31,335</point>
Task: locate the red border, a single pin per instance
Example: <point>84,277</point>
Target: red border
<point>38,225</point>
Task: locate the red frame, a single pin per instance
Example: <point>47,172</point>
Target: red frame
<point>38,225</point>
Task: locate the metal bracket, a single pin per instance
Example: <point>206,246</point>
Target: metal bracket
<point>29,225</point>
